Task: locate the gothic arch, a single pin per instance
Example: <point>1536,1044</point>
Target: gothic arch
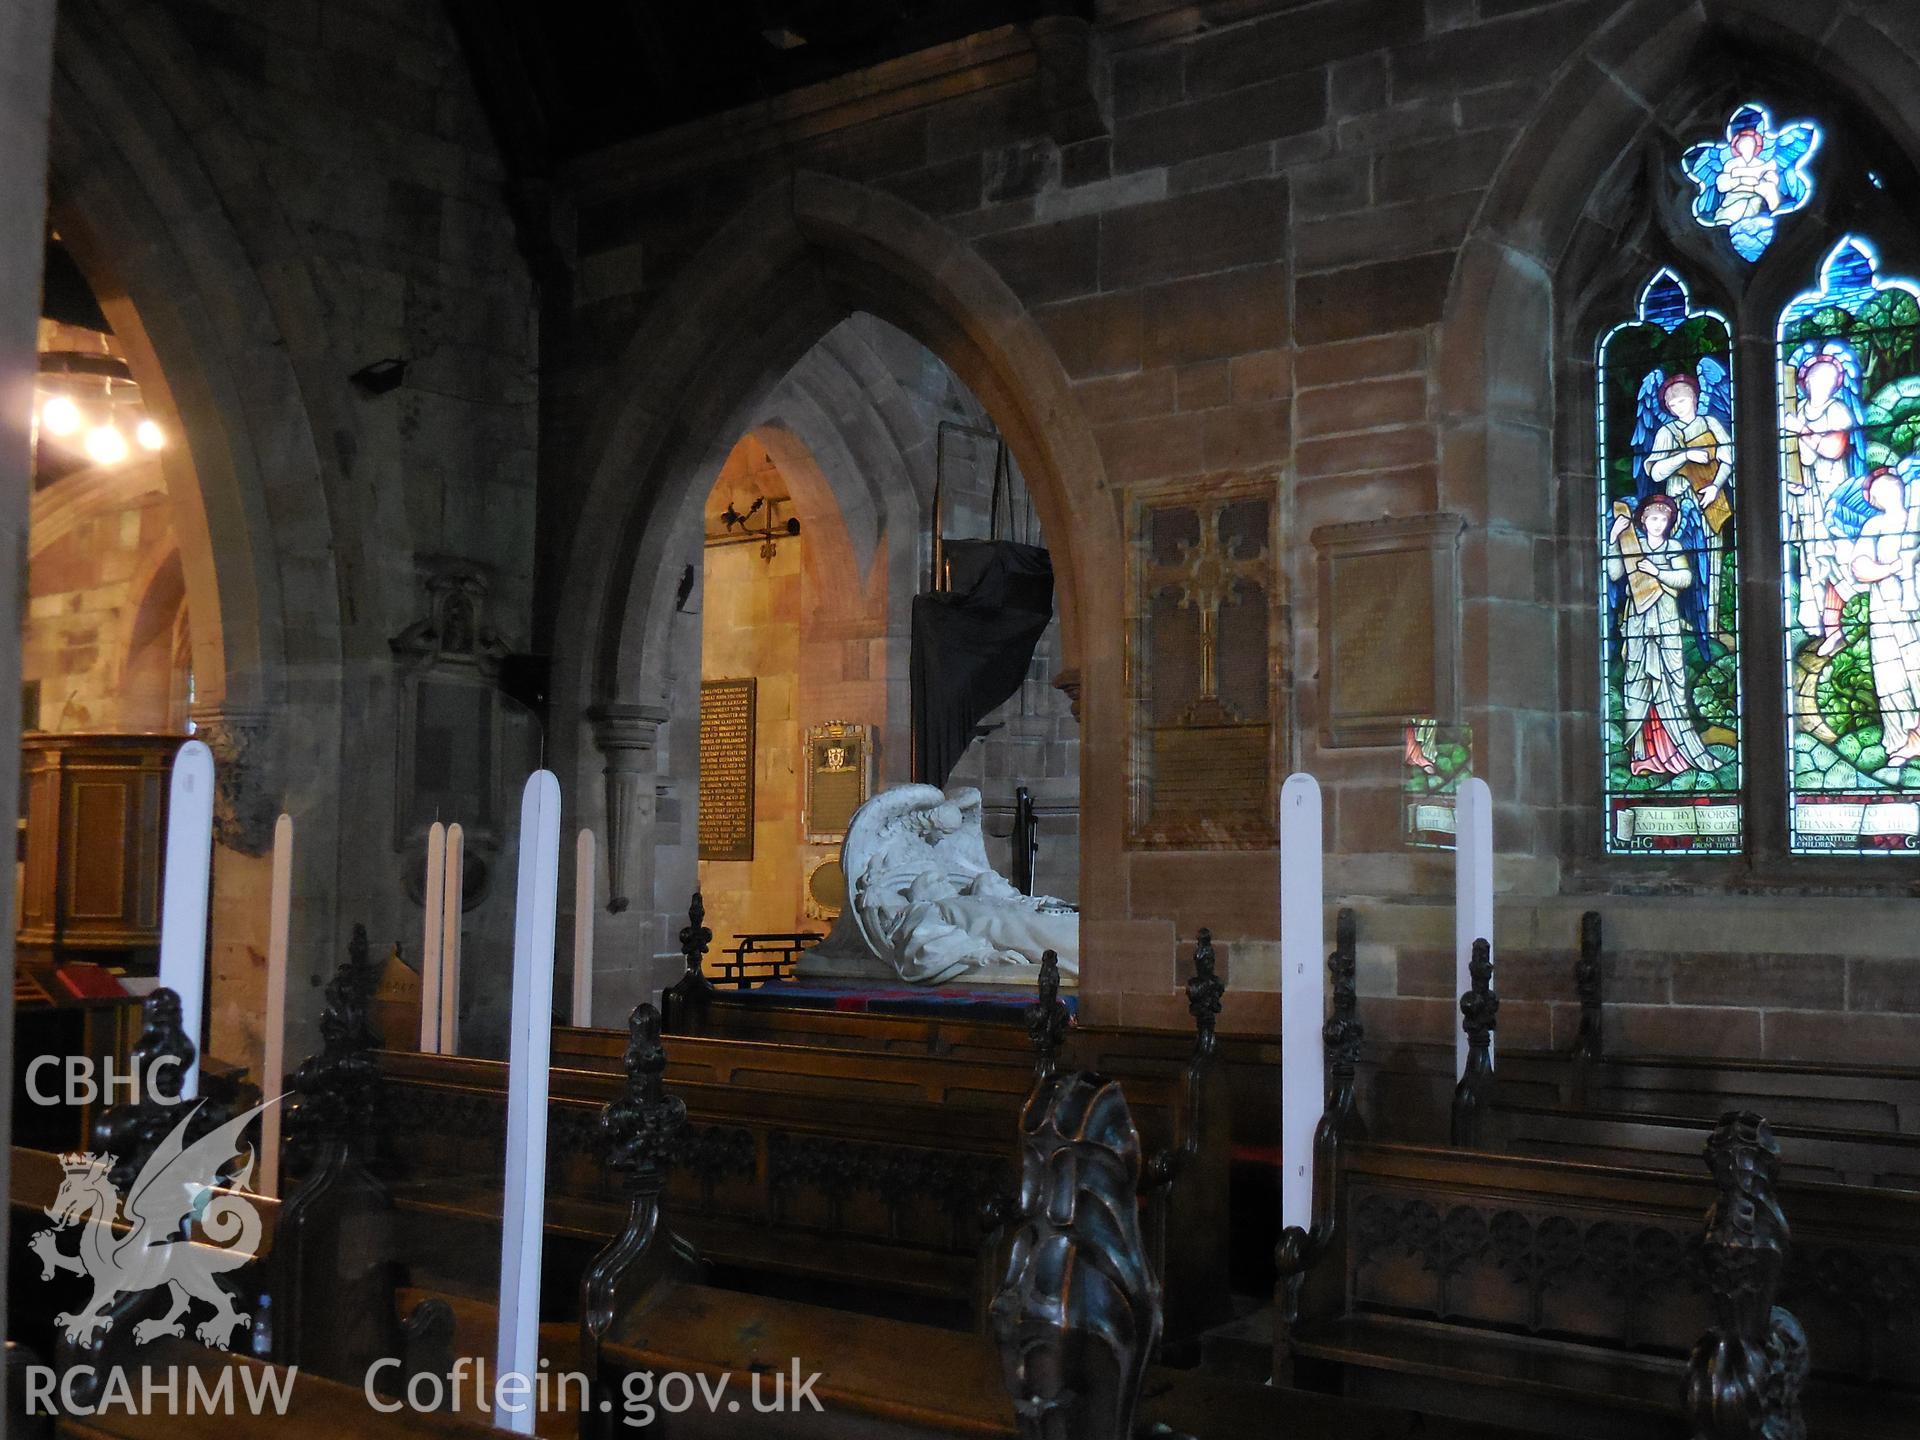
<point>768,285</point>
<point>771,282</point>
<point>141,214</point>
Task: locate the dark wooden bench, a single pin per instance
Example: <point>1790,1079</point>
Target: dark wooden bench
<point>805,1166</point>
<point>321,1286</point>
<point>646,1314</point>
<point>1248,1060</point>
<point>1672,1142</point>
<point>1565,1294</point>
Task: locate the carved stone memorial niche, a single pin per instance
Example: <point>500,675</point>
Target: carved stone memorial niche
<point>1389,618</point>
<point>727,757</point>
<point>463,746</point>
<point>1203,660</point>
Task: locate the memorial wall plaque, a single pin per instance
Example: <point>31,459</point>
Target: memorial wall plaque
<point>726,769</point>
<point>839,778</point>
<point>1389,617</point>
<point>1202,650</point>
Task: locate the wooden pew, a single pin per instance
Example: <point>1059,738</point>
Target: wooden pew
<point>1248,1060</point>
<point>808,1166</point>
<point>1565,1291</point>
<point>1408,1087</point>
<point>319,1290</point>
<point>1672,1142</point>
<point>643,1319</point>
<point>1576,1124</point>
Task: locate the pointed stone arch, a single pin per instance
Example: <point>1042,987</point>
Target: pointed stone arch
<point>775,279</point>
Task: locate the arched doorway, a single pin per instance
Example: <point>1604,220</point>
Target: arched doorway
<point>770,285</point>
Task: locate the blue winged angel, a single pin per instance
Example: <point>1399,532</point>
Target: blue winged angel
<point>1752,178</point>
<point>1683,450</point>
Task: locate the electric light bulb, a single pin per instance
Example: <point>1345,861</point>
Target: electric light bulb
<point>60,416</point>
<point>106,445</point>
<point>150,435</point>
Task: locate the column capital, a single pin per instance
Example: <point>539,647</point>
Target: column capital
<point>246,773</point>
<point>622,732</point>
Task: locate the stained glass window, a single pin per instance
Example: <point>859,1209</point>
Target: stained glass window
<point>1670,640</point>
<point>1748,181</point>
<point>1849,409</point>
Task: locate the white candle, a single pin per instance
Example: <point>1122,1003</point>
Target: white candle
<point>1303,1086</point>
<point>183,906</point>
<point>583,929</point>
<point>273,1067</point>
<point>454,901</point>
<point>1472,896</point>
<point>431,954</point>
<point>523,1215</point>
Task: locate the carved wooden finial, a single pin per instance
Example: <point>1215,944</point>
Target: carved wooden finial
<point>1746,1375</point>
<point>695,937</point>
<point>335,1091</point>
<point>1204,990</point>
<point>1047,1018</point>
<point>1342,1034</point>
<point>1074,1355</point>
<point>637,1130</point>
<point>131,1132</point>
<point>1479,1011</point>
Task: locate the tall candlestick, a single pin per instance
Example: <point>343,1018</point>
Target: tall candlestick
<point>453,892</point>
<point>431,949</point>
<point>1303,1087</point>
<point>583,929</point>
<point>183,907</point>
<point>523,1215</point>
<point>273,1066</point>
<point>1473,894</point>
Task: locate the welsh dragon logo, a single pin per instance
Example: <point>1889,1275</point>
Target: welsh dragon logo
<point>183,1191</point>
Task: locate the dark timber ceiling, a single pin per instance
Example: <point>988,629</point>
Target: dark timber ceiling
<point>559,79</point>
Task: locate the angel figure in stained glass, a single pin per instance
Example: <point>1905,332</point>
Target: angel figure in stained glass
<point>1886,561</point>
<point>1752,178</point>
<point>1683,449</point>
<point>1826,484</point>
<point>1653,593</point>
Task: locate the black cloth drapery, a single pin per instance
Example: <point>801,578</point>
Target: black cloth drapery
<point>972,644</point>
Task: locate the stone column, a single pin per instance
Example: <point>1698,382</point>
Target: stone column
<point>26,76</point>
<point>626,735</point>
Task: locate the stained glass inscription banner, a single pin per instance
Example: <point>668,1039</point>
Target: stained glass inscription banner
<point>1668,565</point>
<point>1849,407</point>
<point>1436,758</point>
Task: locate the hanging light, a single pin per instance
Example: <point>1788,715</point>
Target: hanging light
<point>60,416</point>
<point>149,434</point>
<point>106,445</point>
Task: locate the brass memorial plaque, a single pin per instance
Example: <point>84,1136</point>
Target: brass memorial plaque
<point>726,769</point>
<point>839,778</point>
<point>1204,647</point>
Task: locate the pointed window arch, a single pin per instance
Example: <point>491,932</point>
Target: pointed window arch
<point>1849,410</point>
<point>1669,600</point>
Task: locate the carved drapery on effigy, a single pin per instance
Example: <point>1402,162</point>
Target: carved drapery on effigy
<point>1202,664</point>
<point>246,774</point>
